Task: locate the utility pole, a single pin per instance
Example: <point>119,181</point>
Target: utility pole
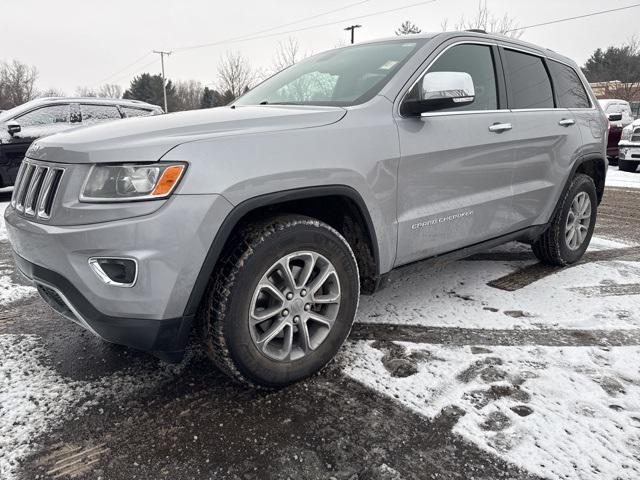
<point>353,29</point>
<point>164,80</point>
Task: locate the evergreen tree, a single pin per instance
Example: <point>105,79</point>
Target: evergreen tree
<point>208,100</point>
<point>148,88</point>
<point>407,28</point>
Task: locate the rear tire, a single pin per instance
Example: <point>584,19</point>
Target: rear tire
<point>628,165</point>
<point>613,160</point>
<point>568,236</point>
<point>313,315</point>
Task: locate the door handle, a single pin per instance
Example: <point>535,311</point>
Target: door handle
<point>566,122</point>
<point>500,127</point>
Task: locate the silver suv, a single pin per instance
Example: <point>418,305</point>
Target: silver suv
<point>260,223</point>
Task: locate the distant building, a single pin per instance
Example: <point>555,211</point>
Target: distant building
<point>617,89</point>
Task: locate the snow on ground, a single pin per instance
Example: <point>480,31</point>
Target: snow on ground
<point>9,290</point>
<point>34,398</point>
<point>559,412</point>
<point>457,295</point>
<point>617,178</point>
<point>3,230</point>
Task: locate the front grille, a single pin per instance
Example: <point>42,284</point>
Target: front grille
<point>636,135</point>
<point>35,189</point>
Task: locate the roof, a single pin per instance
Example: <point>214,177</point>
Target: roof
<point>503,39</point>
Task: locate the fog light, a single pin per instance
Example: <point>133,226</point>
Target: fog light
<point>117,272</point>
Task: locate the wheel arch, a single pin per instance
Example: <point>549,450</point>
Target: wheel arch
<point>304,201</point>
<point>593,165</point>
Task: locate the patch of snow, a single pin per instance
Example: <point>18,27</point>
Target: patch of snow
<point>618,178</point>
<point>581,405</point>
<point>3,229</point>
<point>34,398</point>
<point>457,295</point>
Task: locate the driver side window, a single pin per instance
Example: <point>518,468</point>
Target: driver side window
<point>45,116</point>
<point>477,61</point>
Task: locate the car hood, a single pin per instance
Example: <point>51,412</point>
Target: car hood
<point>149,138</point>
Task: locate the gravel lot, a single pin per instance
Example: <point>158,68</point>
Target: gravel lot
<point>491,367</point>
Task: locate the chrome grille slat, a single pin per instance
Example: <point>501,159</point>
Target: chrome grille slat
<point>22,191</point>
<point>32,192</point>
<point>35,189</point>
<point>16,186</point>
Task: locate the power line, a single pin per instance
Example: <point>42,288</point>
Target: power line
<point>244,39</point>
<point>240,37</point>
<point>126,68</point>
<point>136,71</point>
<point>593,14</point>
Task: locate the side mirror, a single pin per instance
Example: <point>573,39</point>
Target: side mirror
<point>13,128</point>
<point>615,117</point>
<point>442,90</point>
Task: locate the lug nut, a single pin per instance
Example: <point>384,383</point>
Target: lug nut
<point>307,307</point>
<point>296,319</point>
<point>303,292</point>
<point>289,296</point>
<point>285,312</point>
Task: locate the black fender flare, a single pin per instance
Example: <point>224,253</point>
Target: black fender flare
<point>247,206</point>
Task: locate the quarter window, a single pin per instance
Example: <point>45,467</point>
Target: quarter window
<point>569,88</point>
<point>477,61</point>
<point>530,84</point>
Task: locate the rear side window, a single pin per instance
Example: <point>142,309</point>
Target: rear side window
<point>99,113</point>
<point>530,84</point>
<point>477,61</point>
<point>134,112</point>
<point>569,88</point>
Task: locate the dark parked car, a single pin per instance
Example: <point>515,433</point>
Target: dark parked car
<point>21,125</point>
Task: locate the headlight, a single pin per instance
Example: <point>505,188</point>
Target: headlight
<point>626,133</point>
<point>127,182</point>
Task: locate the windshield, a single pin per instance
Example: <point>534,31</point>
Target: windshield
<point>342,77</point>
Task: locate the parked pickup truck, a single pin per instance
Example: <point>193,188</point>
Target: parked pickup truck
<point>629,147</point>
<point>261,223</point>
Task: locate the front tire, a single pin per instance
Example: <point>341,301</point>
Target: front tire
<point>568,236</point>
<point>628,165</point>
<point>282,302</point>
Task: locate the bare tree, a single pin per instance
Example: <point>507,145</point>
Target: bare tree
<point>408,28</point>
<point>287,54</point>
<point>110,90</point>
<point>487,21</point>
<point>188,95</point>
<point>86,92</point>
<point>17,83</point>
<point>235,74</point>
<point>51,92</point>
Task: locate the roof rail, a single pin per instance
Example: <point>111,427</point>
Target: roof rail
<point>476,30</point>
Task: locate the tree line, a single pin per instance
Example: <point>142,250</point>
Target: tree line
<point>236,75</point>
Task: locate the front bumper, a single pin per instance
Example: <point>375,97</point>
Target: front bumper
<point>169,245</point>
<point>629,151</point>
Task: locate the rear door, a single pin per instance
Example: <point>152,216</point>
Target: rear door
<point>547,135</point>
<point>454,177</point>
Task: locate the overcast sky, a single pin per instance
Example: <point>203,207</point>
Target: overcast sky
<point>87,42</point>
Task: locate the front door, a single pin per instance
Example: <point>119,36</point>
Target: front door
<point>33,125</point>
<point>454,179</point>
